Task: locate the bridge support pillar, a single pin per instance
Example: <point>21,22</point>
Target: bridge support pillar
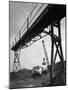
<point>56,41</point>
<point>16,65</point>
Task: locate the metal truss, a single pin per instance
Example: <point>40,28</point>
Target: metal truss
<point>16,65</point>
<point>33,40</point>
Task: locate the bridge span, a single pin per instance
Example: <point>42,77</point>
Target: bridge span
<point>38,20</point>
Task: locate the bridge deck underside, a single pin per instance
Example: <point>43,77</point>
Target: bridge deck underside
<point>50,14</point>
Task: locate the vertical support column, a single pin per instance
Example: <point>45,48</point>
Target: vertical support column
<point>60,46</point>
<point>16,65</point>
<point>52,51</point>
<point>56,40</point>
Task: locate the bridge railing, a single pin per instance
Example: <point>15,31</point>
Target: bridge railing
<point>36,11</point>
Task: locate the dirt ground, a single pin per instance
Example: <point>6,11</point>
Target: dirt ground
<point>36,82</point>
<point>27,81</point>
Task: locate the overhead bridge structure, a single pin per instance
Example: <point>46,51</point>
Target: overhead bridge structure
<point>42,16</point>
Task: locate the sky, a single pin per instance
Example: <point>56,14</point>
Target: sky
<point>33,55</point>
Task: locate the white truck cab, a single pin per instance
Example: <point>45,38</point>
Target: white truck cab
<point>36,71</point>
